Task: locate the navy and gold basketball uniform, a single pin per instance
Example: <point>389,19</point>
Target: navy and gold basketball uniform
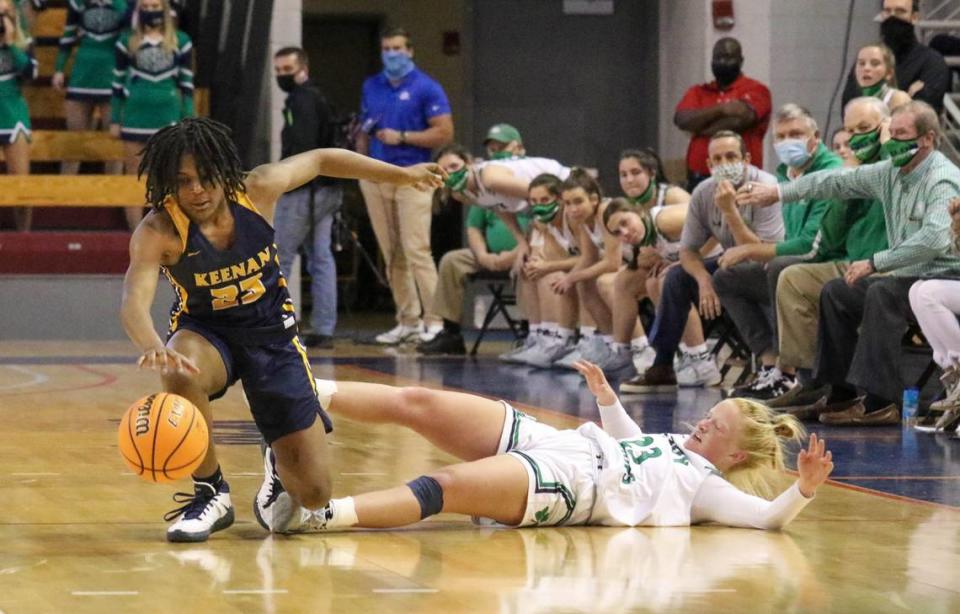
<point>237,300</point>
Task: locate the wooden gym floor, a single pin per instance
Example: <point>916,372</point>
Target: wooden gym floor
<point>79,533</point>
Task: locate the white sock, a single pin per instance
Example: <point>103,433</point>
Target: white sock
<point>618,347</point>
<point>638,344</point>
<point>344,513</point>
<point>608,339</point>
<point>325,390</point>
<point>564,334</point>
<point>550,328</point>
<point>586,331</point>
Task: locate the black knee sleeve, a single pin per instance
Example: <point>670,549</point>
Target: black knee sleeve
<point>429,495</point>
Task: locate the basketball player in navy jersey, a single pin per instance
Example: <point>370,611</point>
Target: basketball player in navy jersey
<point>209,232</point>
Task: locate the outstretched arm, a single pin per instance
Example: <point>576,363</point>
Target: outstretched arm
<point>267,182</point>
<point>613,417</point>
<point>139,289</point>
<point>721,502</point>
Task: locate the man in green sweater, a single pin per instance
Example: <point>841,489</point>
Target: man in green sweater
<point>847,234</point>
<point>748,275</point>
<point>864,315</point>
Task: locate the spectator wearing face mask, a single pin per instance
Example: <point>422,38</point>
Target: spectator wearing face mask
<point>864,315</point>
<point>921,72</point>
<point>152,83</point>
<point>503,142</point>
<point>405,114</point>
<point>713,213</point>
<point>305,216</point>
<point>732,101</point>
<point>748,275</point>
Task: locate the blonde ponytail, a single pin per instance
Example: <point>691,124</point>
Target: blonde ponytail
<point>764,436</point>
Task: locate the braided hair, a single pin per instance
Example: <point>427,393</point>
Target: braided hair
<point>213,151</point>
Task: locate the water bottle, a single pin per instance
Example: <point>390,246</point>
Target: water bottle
<point>479,311</point>
<point>911,403</point>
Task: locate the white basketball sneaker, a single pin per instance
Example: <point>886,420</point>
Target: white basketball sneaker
<point>270,489</point>
<point>206,511</point>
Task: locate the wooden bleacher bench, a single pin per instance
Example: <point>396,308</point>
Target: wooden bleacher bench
<point>75,146</point>
<point>72,190</point>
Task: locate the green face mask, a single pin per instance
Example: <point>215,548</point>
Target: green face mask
<point>545,212</point>
<point>647,194</point>
<point>872,90</point>
<point>457,180</point>
<point>501,155</point>
<point>866,146</point>
<point>901,152</point>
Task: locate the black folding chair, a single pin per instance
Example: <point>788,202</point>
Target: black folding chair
<point>501,289</point>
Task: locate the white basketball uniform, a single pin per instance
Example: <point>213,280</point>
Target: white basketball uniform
<point>523,168</point>
<point>585,476</point>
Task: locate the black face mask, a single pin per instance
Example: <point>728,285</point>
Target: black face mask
<point>150,19</point>
<point>897,34</point>
<point>725,72</point>
<point>286,83</point>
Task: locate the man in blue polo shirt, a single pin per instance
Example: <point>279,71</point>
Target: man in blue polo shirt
<point>405,115</point>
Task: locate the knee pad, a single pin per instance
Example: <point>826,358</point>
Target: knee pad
<point>429,495</point>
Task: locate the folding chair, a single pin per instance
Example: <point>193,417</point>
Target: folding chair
<point>727,334</point>
<point>501,289</point>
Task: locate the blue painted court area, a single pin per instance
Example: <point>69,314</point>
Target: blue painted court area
<point>892,460</point>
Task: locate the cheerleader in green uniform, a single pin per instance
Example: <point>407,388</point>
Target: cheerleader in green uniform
<point>153,82</point>
<point>16,64</point>
<point>93,26</point>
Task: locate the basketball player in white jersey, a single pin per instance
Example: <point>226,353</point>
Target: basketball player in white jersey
<point>518,472</point>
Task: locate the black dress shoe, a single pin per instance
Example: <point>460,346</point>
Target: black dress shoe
<point>321,342</point>
<point>445,342</point>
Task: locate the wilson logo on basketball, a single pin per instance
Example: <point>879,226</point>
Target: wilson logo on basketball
<point>143,416</point>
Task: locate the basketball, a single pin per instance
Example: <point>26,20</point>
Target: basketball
<point>163,437</point>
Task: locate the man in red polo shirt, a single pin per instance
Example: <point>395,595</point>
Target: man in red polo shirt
<point>731,102</point>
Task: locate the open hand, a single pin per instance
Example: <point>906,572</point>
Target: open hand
<point>596,382</point>
<point>709,301</point>
<point>814,465</point>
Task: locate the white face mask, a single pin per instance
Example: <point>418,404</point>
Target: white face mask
<point>731,172</point>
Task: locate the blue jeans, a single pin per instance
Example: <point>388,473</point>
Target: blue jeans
<point>291,221</point>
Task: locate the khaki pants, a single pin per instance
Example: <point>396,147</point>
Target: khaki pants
<point>798,309</point>
<point>455,266</point>
<point>401,218</point>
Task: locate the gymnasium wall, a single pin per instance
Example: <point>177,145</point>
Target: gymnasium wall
<point>794,47</point>
<point>579,87</point>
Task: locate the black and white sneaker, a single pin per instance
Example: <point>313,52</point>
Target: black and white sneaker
<point>773,383</point>
<point>206,511</point>
<point>265,501</point>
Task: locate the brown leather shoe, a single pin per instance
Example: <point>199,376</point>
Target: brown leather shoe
<point>856,415</point>
<point>812,412</point>
<point>805,413</point>
<point>658,378</point>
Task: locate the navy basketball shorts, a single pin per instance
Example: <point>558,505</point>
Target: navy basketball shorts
<point>277,381</point>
